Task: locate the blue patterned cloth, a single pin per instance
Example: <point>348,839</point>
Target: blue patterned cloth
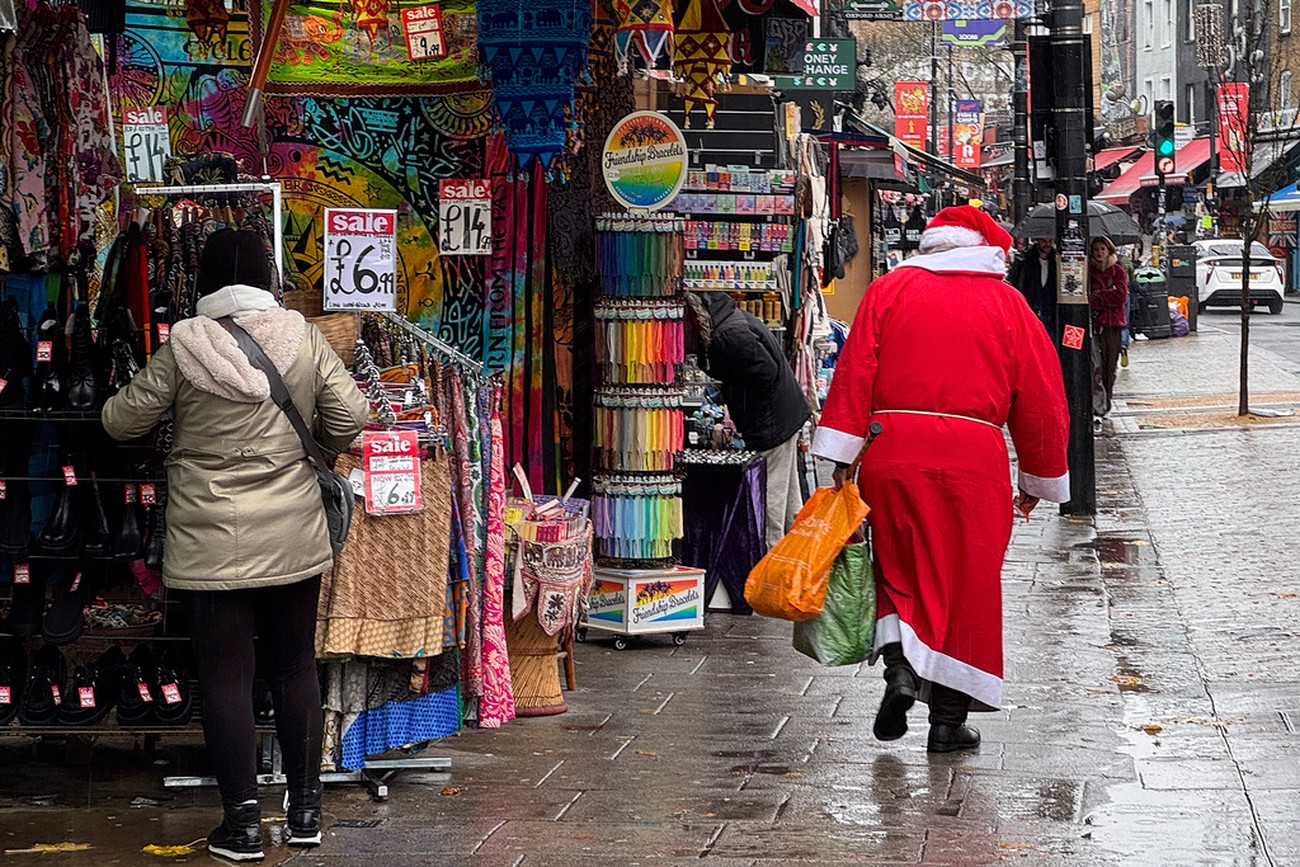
<point>398,723</point>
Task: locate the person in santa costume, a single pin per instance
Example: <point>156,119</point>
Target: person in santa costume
<point>943,353</point>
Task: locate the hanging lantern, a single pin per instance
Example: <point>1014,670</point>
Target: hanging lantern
<point>645,26</point>
<point>372,18</point>
<point>702,57</point>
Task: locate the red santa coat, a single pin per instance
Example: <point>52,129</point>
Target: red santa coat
<point>943,353</point>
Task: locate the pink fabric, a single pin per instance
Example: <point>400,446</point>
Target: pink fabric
<point>498,702</point>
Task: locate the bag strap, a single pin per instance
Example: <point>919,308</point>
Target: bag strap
<point>279,391</point>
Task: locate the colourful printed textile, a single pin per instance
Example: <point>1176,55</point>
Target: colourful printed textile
<point>533,51</point>
<point>471,660</point>
<point>645,26</point>
<point>966,10</point>
<point>497,704</point>
<point>359,49</point>
<point>702,57</point>
<point>399,723</point>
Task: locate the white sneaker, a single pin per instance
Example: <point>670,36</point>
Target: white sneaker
<point>1096,424</point>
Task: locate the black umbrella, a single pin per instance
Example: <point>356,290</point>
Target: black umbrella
<point>1103,219</point>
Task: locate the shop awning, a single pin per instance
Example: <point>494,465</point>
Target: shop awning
<point>1266,155</point>
<point>1118,191</point>
<point>1284,200</point>
<point>1110,156</point>
<point>1188,159</point>
<point>915,156</point>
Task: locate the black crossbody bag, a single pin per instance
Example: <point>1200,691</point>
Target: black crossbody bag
<point>335,491</point>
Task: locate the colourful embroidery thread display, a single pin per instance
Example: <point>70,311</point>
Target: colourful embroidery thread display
<point>638,432</point>
<point>641,262</point>
<point>640,343</point>
<point>637,519</point>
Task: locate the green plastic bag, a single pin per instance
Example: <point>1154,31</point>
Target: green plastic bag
<point>845,631</point>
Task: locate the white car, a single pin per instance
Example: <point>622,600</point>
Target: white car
<point>1220,270</point>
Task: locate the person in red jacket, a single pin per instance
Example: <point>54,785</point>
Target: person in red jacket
<point>942,354</point>
<point>1108,296</point>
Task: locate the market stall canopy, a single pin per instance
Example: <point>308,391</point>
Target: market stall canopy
<point>1284,200</point>
<point>1107,158</point>
<point>1103,219</point>
<point>918,158</point>
<point>1188,159</point>
<point>1265,157</point>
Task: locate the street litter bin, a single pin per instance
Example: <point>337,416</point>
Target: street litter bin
<point>1149,310</point>
<point>1182,278</point>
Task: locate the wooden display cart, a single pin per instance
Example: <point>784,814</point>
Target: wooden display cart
<point>634,602</point>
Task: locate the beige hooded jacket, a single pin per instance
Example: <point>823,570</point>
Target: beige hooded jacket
<point>243,509</point>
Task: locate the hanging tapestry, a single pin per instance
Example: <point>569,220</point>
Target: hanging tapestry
<point>645,26</point>
<point>533,53</point>
<point>351,48</point>
<point>702,57</point>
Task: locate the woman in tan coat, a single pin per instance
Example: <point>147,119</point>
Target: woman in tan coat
<point>246,534</point>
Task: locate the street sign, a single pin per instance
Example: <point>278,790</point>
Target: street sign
<point>828,64</point>
<point>873,10</point>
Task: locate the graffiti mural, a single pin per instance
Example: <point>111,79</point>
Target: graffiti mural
<point>1117,85</point>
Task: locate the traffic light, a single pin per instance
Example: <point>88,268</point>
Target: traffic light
<point>1163,137</point>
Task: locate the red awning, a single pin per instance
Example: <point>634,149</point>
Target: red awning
<point>1110,156</point>
<point>1188,159</point>
<point>1117,192</point>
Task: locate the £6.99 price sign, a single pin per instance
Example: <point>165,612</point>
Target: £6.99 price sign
<point>392,464</point>
<point>360,259</point>
<point>464,218</point>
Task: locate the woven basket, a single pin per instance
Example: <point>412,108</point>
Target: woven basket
<point>309,301</point>
<point>341,330</point>
<point>534,667</point>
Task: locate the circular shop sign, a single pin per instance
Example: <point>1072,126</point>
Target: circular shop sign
<point>644,161</point>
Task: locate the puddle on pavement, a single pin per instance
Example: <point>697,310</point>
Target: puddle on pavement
<point>1118,551</point>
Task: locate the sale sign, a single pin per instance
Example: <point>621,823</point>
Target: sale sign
<point>967,133</point>
<point>423,27</point>
<point>391,460</point>
<point>1234,138</point>
<point>464,218</point>
<point>146,144</point>
<point>360,259</point>
<point>912,112</point>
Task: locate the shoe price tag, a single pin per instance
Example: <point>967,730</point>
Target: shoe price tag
<point>22,573</point>
<point>4,492</point>
<point>131,495</point>
<point>44,350</point>
<point>148,495</point>
<point>70,476</point>
<point>54,691</point>
<point>86,696</point>
<point>76,582</point>
<point>5,696</point>
<point>171,693</point>
<point>164,332</point>
<point>3,383</point>
<point>145,694</point>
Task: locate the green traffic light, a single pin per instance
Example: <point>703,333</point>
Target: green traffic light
<point>1166,148</point>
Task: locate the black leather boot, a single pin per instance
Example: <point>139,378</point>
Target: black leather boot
<point>949,739</point>
<point>15,519</point>
<point>304,819</point>
<point>47,381</point>
<point>900,694</point>
<point>66,618</point>
<point>62,532</point>
<point>157,537</point>
<point>15,357</point>
<point>13,678</point>
<point>239,836</point>
<point>82,390</point>
<point>28,604</point>
<point>99,540</point>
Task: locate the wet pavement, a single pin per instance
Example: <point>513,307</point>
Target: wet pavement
<point>1151,711</point>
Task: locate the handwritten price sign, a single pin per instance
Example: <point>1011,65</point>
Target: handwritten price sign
<point>392,465</point>
<point>423,26</point>
<point>146,144</point>
<point>360,259</point>
<point>464,218</point>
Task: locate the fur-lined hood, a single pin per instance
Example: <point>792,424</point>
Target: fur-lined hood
<point>212,361</point>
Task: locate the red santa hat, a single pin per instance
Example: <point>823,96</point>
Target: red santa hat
<point>964,226</point>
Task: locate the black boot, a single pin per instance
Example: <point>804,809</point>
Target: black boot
<point>948,739</point>
<point>28,603</point>
<point>62,532</point>
<point>153,549</point>
<point>99,540</point>
<point>47,381</point>
<point>305,819</point>
<point>66,618</point>
<point>900,694</point>
<point>15,357</point>
<point>128,542</point>
<point>239,836</point>
<point>44,692</point>
<point>82,390</point>
<point>16,519</point>
<point>13,678</point>
<point>138,689</point>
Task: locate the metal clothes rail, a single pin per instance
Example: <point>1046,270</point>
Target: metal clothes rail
<point>446,349</point>
<point>274,188</point>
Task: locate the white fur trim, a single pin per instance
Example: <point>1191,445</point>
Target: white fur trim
<point>930,665</point>
<point>950,236</point>
<point>983,260</point>
<point>233,300</point>
<point>836,445</point>
<point>1054,490</point>
<point>213,362</point>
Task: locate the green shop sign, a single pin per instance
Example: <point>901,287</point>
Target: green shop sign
<point>828,64</point>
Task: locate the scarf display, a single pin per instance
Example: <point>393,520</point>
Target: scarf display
<point>532,52</point>
<point>642,263</point>
<point>638,431</point>
<point>644,26</point>
<point>640,342</point>
<point>702,57</point>
<point>636,519</point>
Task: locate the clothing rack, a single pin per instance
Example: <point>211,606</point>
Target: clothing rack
<point>446,349</point>
<point>274,188</point>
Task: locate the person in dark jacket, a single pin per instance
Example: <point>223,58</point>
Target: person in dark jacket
<point>761,394</point>
<point>1108,296</point>
<point>1034,274</point>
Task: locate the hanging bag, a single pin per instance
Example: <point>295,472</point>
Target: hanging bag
<point>335,491</point>
<point>843,634</point>
<point>789,583</point>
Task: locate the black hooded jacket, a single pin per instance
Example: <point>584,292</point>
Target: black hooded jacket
<point>758,385</point>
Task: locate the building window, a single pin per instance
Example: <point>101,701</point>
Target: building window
<point>1166,88</point>
<point>1149,22</point>
<point>1167,24</point>
<point>1284,89</point>
<point>1191,19</point>
<point>1284,16</point>
<point>1190,113</point>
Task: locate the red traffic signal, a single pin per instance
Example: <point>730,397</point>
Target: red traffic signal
<point>1165,166</point>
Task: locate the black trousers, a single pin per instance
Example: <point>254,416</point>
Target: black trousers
<point>948,706</point>
<point>222,626</point>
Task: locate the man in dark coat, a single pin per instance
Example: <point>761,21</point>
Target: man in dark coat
<point>761,394</point>
<point>1034,274</point>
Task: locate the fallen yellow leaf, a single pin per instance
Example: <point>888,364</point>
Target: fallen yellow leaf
<point>173,851</point>
<point>1152,729</point>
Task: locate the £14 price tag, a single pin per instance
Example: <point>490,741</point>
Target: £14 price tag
<point>171,693</point>
<point>392,464</point>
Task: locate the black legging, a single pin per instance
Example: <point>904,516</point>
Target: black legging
<point>222,625</point>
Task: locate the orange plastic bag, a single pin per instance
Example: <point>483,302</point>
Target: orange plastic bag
<point>790,581</point>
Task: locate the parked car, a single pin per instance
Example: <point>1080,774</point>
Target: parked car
<point>1220,271</point>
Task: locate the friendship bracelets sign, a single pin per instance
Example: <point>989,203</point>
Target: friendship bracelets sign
<point>360,259</point>
<point>392,464</point>
<point>644,161</point>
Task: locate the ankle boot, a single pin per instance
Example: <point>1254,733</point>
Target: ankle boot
<point>239,836</point>
<point>99,540</point>
<point>81,369</point>
<point>15,519</point>
<point>153,549</point>
<point>28,602</point>
<point>128,542</point>
<point>47,384</point>
<point>304,818</point>
<point>66,618</point>
<point>62,531</point>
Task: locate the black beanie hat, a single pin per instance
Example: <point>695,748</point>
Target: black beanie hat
<point>231,257</point>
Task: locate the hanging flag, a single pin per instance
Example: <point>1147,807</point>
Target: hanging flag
<point>974,32</point>
<point>645,26</point>
<point>702,57</point>
<point>912,112</point>
<point>1234,139</point>
<point>968,133</point>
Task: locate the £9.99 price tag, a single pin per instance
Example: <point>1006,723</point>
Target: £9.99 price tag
<point>392,464</point>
